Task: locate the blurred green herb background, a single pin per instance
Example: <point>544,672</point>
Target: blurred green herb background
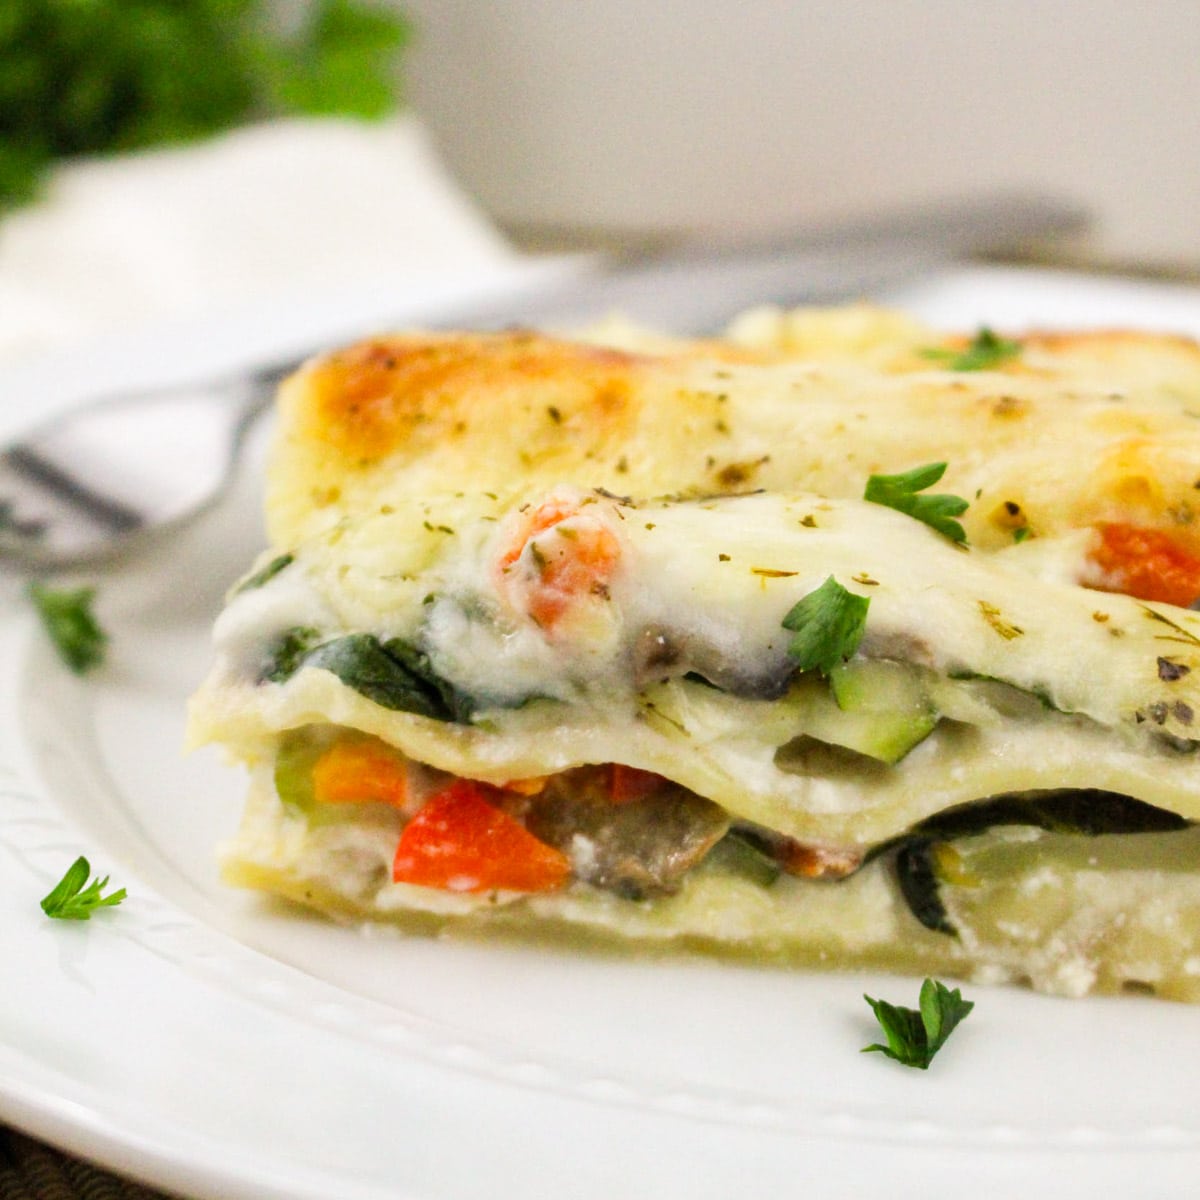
<point>81,77</point>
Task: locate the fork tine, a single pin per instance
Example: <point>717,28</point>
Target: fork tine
<point>28,465</point>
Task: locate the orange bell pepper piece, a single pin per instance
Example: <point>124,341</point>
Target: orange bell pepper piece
<point>360,771</point>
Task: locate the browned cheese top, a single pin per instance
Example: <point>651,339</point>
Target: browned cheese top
<point>1079,428</point>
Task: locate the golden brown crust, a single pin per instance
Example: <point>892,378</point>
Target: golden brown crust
<point>402,393</point>
<point>1082,427</point>
<point>895,343</point>
<point>406,415</point>
<point>1049,353</point>
<point>1113,344</point>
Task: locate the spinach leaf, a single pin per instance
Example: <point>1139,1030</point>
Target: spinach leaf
<point>392,674</point>
<point>287,652</point>
<point>360,661</point>
<point>455,703</point>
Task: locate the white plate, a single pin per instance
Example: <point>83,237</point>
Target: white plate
<point>203,1041</point>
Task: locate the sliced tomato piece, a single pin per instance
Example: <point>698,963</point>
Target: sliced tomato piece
<point>460,842</point>
<point>360,772</point>
<point>1147,563</point>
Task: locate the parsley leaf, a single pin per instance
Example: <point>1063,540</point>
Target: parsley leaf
<point>900,492</point>
<point>913,1038</point>
<point>67,617</point>
<point>74,899</point>
<point>985,350</point>
<point>829,624</point>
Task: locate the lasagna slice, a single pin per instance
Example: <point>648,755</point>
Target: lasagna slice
<point>529,655</point>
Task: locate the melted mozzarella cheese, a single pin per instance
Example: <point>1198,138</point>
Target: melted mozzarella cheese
<point>1078,695</point>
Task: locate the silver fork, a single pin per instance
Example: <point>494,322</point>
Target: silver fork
<point>83,487</point>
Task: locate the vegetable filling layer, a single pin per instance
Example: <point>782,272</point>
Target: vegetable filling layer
<point>582,701</point>
<point>636,834</point>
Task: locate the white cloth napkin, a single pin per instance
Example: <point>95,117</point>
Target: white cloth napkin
<point>264,214</point>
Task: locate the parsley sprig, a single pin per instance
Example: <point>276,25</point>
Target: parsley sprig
<point>67,616</point>
<point>914,1037</point>
<point>108,75</point>
<point>901,493</point>
<point>829,624</point>
<point>73,898</point>
<point>985,351</point>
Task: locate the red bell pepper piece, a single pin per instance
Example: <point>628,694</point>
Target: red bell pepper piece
<point>1146,563</point>
<point>460,842</point>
